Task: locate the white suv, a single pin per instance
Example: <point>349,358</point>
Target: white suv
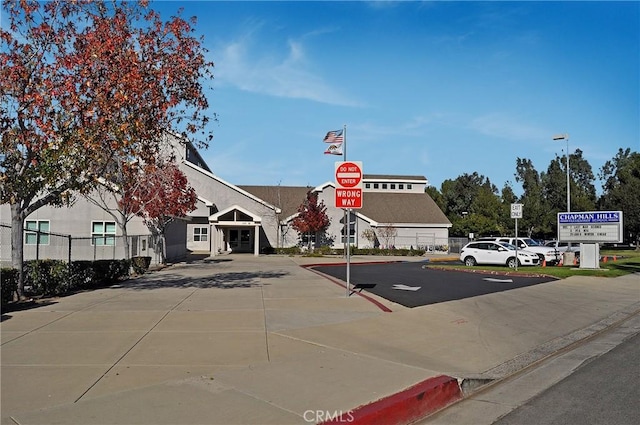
<point>500,253</point>
<point>546,253</point>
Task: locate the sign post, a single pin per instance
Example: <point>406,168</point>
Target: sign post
<point>348,194</point>
<point>516,212</point>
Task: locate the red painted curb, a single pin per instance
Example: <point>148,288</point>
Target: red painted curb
<point>405,407</point>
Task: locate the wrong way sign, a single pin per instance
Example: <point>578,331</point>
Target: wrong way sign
<point>348,184</point>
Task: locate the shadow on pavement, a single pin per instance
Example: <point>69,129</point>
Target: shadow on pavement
<point>219,280</point>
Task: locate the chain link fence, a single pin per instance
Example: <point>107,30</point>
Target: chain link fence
<point>40,245</point>
<point>426,241</point>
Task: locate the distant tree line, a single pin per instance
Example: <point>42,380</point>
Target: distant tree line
<point>475,205</point>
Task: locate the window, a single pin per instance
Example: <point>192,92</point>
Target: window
<point>367,185</point>
<point>200,234</point>
<point>384,185</point>
<point>401,186</point>
<point>103,233</point>
<point>32,235</point>
<point>409,186</point>
<point>392,186</point>
<point>375,185</point>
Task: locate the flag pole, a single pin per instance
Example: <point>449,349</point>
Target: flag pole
<point>347,218</point>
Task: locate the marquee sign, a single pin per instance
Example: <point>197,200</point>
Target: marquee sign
<point>590,226</point>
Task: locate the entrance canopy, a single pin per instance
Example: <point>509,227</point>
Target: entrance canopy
<point>232,229</point>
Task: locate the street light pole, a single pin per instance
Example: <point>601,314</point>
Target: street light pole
<point>566,137</point>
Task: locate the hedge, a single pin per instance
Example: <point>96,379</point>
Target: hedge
<point>8,284</point>
<point>56,277</point>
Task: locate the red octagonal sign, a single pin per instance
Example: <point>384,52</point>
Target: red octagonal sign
<point>349,174</point>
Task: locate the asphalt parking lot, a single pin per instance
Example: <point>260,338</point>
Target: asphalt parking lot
<point>412,285</point>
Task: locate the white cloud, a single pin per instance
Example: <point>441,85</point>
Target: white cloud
<point>505,127</point>
<point>243,64</point>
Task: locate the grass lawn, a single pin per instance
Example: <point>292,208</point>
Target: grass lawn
<point>626,261</point>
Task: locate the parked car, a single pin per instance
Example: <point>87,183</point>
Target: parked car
<point>546,253</point>
<point>562,246</point>
<point>499,253</point>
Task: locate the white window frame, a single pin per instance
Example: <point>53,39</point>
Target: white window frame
<point>107,238</point>
<point>35,232</point>
<point>198,235</point>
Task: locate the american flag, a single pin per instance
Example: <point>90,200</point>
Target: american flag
<point>334,137</point>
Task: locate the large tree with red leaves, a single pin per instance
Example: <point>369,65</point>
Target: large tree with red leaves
<point>312,218</point>
<point>160,195</point>
<point>85,84</point>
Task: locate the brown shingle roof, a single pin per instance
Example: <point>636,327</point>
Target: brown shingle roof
<point>287,198</point>
<point>402,208</point>
<point>379,206</point>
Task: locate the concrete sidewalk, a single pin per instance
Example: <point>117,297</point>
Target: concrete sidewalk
<point>262,340</point>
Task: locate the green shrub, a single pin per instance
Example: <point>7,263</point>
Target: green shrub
<point>140,264</point>
<point>46,277</point>
<point>109,271</point>
<point>82,275</point>
<point>8,284</point>
<point>294,250</point>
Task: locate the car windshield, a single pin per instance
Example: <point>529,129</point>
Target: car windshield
<point>507,245</point>
<point>531,242</point>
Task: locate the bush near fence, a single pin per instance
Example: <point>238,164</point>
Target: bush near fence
<point>56,277</point>
<point>8,284</point>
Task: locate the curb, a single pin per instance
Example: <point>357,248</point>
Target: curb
<point>405,407</point>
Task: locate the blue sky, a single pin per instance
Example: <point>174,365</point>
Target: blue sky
<point>436,89</point>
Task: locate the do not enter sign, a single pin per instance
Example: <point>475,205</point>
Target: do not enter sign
<point>349,174</point>
<point>348,184</point>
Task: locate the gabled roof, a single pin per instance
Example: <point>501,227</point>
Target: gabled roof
<point>287,198</point>
<point>220,214</point>
<point>378,207</point>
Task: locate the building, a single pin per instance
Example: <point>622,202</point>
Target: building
<point>250,219</point>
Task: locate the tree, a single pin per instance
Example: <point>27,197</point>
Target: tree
<point>312,218</point>
<point>554,189</point>
<point>472,205</point>
<point>370,235</point>
<point>114,192</point>
<point>507,197</point>
<point>77,97</point>
<point>621,191</point>
<point>388,235</point>
<point>160,195</point>
<point>534,206</point>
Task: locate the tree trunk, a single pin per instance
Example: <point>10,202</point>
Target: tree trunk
<point>17,246</point>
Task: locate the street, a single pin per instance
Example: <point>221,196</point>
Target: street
<point>594,382</point>
<point>603,391</point>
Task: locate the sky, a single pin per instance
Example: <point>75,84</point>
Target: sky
<point>435,89</point>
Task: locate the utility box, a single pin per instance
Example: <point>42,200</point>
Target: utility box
<point>589,256</point>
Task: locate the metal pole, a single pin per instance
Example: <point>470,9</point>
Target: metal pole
<point>347,221</point>
<point>568,186</point>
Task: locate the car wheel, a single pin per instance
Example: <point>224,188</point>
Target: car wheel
<point>511,262</point>
<point>470,261</point>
